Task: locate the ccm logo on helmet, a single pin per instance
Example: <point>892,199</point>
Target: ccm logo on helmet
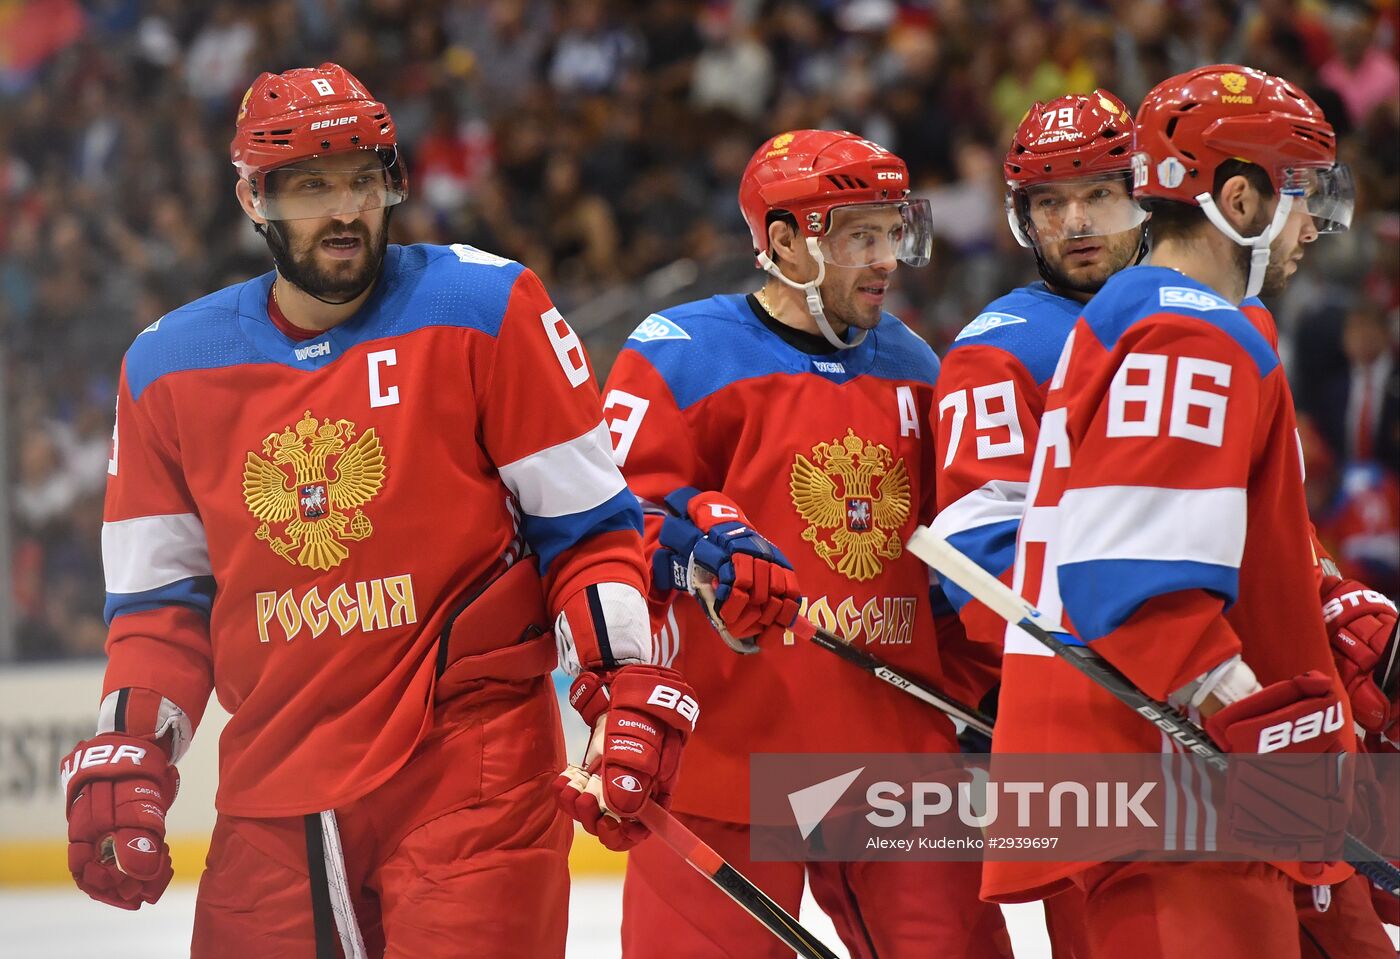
<point>888,175</point>
<point>336,122</point>
<point>669,697</point>
<point>1291,732</point>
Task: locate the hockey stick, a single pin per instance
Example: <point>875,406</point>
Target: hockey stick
<point>713,867</point>
<point>805,628</point>
<point>1386,674</point>
<point>1004,601</point>
<point>878,668</point>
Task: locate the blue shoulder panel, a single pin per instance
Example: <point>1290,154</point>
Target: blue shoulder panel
<point>1140,292</point>
<point>421,286</point>
<point>1030,323</point>
<point>699,348</point>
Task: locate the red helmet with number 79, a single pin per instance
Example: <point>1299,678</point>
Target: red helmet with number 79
<point>300,115</point>
<point>1191,124</point>
<point>1074,138</point>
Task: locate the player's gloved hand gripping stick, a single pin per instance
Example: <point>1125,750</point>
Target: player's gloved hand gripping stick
<point>1004,601</point>
<point>745,584</point>
<point>713,867</point>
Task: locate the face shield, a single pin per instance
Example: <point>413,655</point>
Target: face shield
<point>1329,195</point>
<point>868,234</point>
<point>1072,209</point>
<point>340,184</point>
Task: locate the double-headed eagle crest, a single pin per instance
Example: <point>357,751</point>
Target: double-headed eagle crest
<point>854,496</point>
<point>312,504</point>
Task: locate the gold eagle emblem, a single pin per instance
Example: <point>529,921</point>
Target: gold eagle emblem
<point>854,497</point>
<point>331,472</point>
<point>1233,82</point>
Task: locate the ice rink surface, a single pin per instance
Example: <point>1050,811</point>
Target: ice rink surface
<point>58,923</point>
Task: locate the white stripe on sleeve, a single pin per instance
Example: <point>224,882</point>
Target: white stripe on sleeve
<point>153,551</point>
<point>572,477</point>
<point>1153,523</point>
<point>994,502</point>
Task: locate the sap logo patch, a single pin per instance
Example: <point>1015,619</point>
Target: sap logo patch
<point>657,327</point>
<point>322,348</point>
<point>985,322</point>
<point>1186,298</point>
<point>470,254</point>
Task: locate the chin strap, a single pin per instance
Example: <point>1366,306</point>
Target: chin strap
<point>1258,245</point>
<point>812,291</point>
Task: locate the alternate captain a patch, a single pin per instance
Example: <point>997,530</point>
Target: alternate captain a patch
<point>854,497</point>
<point>291,484</point>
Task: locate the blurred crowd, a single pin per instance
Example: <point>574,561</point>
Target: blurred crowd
<point>599,142</point>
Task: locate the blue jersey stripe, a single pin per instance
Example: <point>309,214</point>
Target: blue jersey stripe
<point>196,592</point>
<point>549,536</point>
<point>1100,595</point>
<point>992,547</point>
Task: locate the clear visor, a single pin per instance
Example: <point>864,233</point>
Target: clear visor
<point>1329,194</point>
<point>1074,209</point>
<point>869,234</point>
<point>338,185</point>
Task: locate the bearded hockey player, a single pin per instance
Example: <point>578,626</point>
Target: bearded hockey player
<point>1166,522</point>
<point>321,484</point>
<point>1068,174</point>
<point>780,439</point>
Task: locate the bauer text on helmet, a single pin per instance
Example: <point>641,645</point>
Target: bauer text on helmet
<point>289,122</point>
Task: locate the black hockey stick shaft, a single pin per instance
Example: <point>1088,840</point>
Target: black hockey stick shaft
<point>1004,601</point>
<point>1386,674</point>
<point>731,882</point>
<point>975,719</point>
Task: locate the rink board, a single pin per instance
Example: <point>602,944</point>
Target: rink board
<point>46,709</point>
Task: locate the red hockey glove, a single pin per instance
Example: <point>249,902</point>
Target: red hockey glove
<point>710,542</point>
<point>118,790</point>
<point>1299,813</point>
<point>641,717</point>
<point>1360,623</point>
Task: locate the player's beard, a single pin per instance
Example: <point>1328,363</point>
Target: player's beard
<point>1121,251</point>
<point>845,307</point>
<point>300,268</point>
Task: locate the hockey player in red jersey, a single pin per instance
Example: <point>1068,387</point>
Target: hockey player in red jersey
<point>780,440</point>
<point>1068,173</point>
<point>1069,180</point>
<point>1166,522</point>
<point>321,487</point>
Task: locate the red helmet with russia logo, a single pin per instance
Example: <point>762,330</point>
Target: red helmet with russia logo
<point>809,173</point>
<point>293,118</point>
<point>1191,124</point>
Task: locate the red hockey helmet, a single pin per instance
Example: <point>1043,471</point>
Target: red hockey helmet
<point>303,114</point>
<point>1190,124</point>
<point>809,173</point>
<point>1072,138</point>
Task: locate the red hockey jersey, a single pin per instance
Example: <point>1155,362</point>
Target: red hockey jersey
<point>1166,525</point>
<point>292,522</point>
<point>827,454</point>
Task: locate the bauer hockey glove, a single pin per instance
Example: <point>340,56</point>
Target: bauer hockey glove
<point>1360,623</point>
<point>641,717</point>
<point>709,542</point>
<point>118,789</point>
<point>1290,812</point>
